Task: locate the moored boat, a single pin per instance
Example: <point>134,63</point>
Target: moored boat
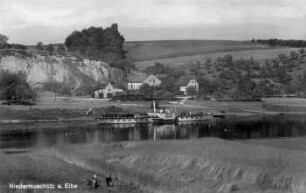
<point>162,115</point>
<point>123,119</point>
<point>198,116</point>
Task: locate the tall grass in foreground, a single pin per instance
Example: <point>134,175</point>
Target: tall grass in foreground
<point>192,166</point>
<point>39,168</point>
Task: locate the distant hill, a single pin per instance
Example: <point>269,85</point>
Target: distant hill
<point>151,50</point>
<point>259,55</point>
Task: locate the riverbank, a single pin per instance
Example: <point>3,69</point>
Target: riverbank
<point>210,165</point>
<point>49,108</point>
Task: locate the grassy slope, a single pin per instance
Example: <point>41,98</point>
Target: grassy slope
<point>259,55</point>
<point>42,167</point>
<point>150,50</point>
<point>210,165</point>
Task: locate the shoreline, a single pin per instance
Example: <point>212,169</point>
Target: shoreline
<point>66,109</point>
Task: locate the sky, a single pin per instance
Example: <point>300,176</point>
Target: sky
<point>51,21</point>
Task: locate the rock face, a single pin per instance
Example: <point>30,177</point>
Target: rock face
<point>42,69</point>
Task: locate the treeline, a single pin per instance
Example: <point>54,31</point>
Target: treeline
<point>279,42</point>
<point>227,79</point>
<point>94,43</point>
<point>5,45</point>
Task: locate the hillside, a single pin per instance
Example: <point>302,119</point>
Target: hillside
<point>259,55</point>
<point>151,50</point>
<point>75,73</point>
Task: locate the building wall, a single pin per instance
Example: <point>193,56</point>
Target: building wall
<point>183,89</point>
<point>193,83</point>
<point>134,86</point>
<point>108,90</point>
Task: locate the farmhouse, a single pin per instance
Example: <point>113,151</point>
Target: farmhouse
<point>186,83</point>
<point>108,91</point>
<point>138,79</point>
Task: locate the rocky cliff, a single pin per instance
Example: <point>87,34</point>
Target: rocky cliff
<point>76,72</point>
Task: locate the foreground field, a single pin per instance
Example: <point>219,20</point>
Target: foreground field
<point>207,165</point>
<point>151,50</point>
<point>191,166</point>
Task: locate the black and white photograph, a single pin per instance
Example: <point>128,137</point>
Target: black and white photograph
<point>153,96</point>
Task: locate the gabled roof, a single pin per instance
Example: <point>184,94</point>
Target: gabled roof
<point>184,80</point>
<point>137,77</point>
<point>103,85</point>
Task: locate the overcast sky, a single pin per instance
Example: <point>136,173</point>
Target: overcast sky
<point>50,21</point>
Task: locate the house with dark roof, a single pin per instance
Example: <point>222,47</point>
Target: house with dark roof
<point>136,80</point>
<point>108,91</point>
<point>186,82</point>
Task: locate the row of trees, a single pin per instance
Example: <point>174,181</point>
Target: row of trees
<point>242,79</point>
<point>50,49</point>
<point>280,42</point>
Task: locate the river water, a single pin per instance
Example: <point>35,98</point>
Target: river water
<point>55,134</point>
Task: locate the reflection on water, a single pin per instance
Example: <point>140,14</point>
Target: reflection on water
<point>231,128</point>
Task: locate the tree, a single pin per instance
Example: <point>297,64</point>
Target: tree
<point>50,49</point>
<point>194,68</point>
<point>14,86</point>
<point>204,86</point>
<point>39,46</point>
<point>97,43</point>
<point>3,41</point>
<point>61,49</point>
<point>148,91</point>
<point>294,55</point>
<point>158,68</point>
<point>192,91</point>
<point>283,58</point>
<point>302,51</point>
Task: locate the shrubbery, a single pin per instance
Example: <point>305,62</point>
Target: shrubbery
<point>100,44</point>
<point>14,87</point>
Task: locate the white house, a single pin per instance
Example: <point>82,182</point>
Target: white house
<point>108,91</point>
<point>138,79</point>
<point>188,82</point>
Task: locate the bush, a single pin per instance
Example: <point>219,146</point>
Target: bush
<point>14,86</point>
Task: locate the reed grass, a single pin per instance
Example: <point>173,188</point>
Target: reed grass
<point>43,167</point>
<point>198,165</point>
<point>209,165</point>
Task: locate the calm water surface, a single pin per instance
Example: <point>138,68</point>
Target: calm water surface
<point>56,134</point>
